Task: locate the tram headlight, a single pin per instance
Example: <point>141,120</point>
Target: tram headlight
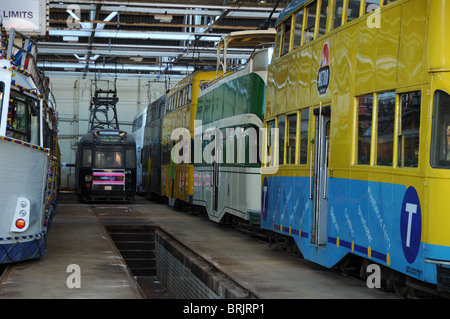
<point>88,178</point>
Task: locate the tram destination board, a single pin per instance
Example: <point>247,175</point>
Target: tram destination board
<point>109,137</point>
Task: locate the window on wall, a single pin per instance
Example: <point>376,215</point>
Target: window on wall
<point>323,18</point>
<point>308,33</point>
<point>281,130</point>
<point>386,123</point>
<point>286,37</point>
<point>365,110</point>
<point>304,127</point>
<point>291,141</point>
<point>408,141</point>
<point>298,28</point>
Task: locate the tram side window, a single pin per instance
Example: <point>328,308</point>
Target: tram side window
<point>408,141</point>
<point>353,10</point>
<point>440,137</point>
<point>137,123</point>
<point>304,128</point>
<point>310,22</point>
<point>323,18</point>
<point>166,154</point>
<point>281,130</point>
<point>18,119</point>
<point>130,158</point>
<point>23,120</point>
<point>298,28</point>
<point>287,36</point>
<point>365,108</point>
<point>189,93</point>
<point>276,53</point>
<point>338,11</point>
<point>291,141</point>
<point>270,145</point>
<point>386,122</point>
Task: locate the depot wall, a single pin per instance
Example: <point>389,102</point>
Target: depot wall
<point>73,95</point>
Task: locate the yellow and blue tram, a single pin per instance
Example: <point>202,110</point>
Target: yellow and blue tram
<point>358,96</point>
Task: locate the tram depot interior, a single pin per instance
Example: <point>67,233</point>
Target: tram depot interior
<point>146,46</point>
<point>141,49</point>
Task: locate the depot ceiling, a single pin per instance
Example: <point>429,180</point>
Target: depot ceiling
<point>146,38</point>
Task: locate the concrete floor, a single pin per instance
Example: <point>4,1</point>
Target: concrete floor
<point>77,237</point>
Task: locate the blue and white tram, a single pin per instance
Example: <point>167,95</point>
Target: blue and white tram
<point>138,134</point>
<point>28,151</point>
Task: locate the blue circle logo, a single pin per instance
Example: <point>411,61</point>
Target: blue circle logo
<point>411,224</point>
<point>265,198</point>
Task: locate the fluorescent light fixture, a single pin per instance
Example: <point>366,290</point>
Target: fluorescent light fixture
<point>179,36</point>
<point>112,67</point>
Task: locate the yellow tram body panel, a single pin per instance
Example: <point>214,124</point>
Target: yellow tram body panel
<point>177,179</point>
<point>400,51</point>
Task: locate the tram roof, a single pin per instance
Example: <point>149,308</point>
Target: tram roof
<point>288,10</point>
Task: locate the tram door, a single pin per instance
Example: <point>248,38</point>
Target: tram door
<point>319,188</point>
<point>215,173</point>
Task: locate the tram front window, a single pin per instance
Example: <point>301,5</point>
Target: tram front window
<point>440,140</point>
<point>108,159</point>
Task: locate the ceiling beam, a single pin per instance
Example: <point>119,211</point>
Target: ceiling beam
<point>143,35</point>
<point>96,15</point>
<point>113,35</point>
<point>152,25</point>
<point>161,7</point>
<point>146,51</point>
